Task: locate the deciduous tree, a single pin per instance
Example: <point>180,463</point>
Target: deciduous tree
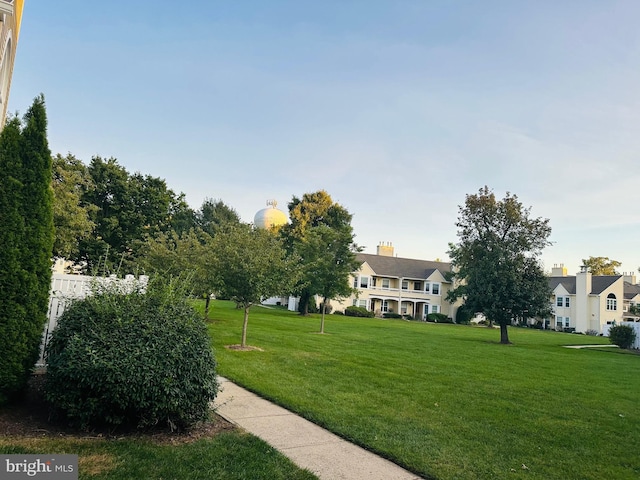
<point>496,260</point>
<point>71,214</point>
<point>249,265</point>
<point>215,215</point>
<point>129,209</point>
<point>174,255</point>
<point>328,259</point>
<point>601,265</point>
<point>308,213</point>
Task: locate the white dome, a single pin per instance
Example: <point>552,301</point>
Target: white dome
<point>270,217</point>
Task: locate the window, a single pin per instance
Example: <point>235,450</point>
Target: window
<point>566,302</point>
<point>434,308</point>
<point>360,302</point>
<point>385,283</point>
<point>559,322</point>
<point>364,282</point>
<point>355,282</point>
<point>385,306</point>
<point>416,286</point>
<point>403,309</point>
<point>563,302</point>
<point>427,287</point>
<point>566,321</point>
<point>435,289</point>
<point>559,301</point>
<point>405,285</point>
<point>612,303</point>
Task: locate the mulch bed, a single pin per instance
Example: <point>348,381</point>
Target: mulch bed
<point>30,419</point>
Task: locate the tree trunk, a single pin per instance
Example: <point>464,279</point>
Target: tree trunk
<point>303,308</point>
<point>504,334</point>
<point>322,316</point>
<point>206,308</point>
<point>244,325</point>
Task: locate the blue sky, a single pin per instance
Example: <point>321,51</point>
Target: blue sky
<point>396,108</point>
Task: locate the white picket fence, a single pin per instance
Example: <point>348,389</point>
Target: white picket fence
<point>67,288</point>
<point>634,325</point>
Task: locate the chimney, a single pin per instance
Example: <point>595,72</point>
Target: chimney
<point>629,277</point>
<point>385,250</point>
<point>559,271</point>
<point>582,304</point>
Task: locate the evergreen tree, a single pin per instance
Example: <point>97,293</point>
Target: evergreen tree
<point>12,308</point>
<point>26,198</point>
<point>37,246</point>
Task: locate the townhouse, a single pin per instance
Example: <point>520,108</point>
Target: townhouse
<point>587,302</point>
<point>389,284</point>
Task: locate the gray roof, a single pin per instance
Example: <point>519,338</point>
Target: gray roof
<point>402,267</point>
<point>631,290</point>
<point>569,284</point>
<point>599,283</point>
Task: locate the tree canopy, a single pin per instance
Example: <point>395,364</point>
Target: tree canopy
<point>313,218</point>
<point>174,255</point>
<point>214,216</point>
<point>71,213</point>
<point>601,265</point>
<point>129,208</point>
<point>496,260</point>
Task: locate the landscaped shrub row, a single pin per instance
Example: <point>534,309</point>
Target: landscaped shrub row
<point>136,360</point>
<point>353,311</point>
<point>439,318</point>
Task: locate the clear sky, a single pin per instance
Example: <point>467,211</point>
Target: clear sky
<point>397,108</point>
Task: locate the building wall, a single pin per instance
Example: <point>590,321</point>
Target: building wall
<point>9,31</point>
<point>609,316</point>
<point>563,311</point>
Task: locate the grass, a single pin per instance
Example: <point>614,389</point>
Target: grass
<point>229,455</point>
<point>446,401</point>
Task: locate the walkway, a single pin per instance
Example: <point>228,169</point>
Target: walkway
<point>306,444</point>
<point>595,345</point>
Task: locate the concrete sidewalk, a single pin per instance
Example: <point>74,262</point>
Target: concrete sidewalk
<point>306,444</point>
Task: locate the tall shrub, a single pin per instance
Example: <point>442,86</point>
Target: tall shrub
<point>622,336</point>
<point>131,359</point>
<point>13,344</point>
<point>27,244</point>
<point>37,247</point>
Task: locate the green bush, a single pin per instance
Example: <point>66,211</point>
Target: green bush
<point>439,318</point>
<point>463,315</point>
<point>131,360</point>
<point>622,336</point>
<point>391,315</point>
<point>353,311</point>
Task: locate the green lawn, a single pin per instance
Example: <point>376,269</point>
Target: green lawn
<point>447,401</point>
<point>227,456</point>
